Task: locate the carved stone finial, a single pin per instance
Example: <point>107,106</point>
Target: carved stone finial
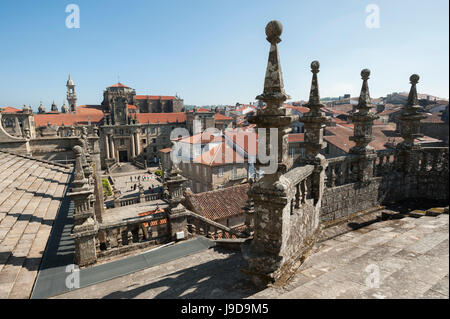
<point>410,119</point>
<point>364,97</point>
<point>363,120</point>
<point>413,101</point>
<point>273,83</point>
<point>274,29</point>
<point>365,73</point>
<point>314,120</point>
<point>314,95</point>
<point>414,79</point>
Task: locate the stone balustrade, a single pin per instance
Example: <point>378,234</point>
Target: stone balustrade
<point>386,162</point>
<point>341,170</point>
<point>122,202</point>
<point>131,234</point>
<point>200,225</point>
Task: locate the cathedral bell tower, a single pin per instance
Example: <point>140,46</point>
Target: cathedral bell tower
<point>71,95</point>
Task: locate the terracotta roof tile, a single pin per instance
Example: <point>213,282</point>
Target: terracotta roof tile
<point>300,109</point>
<point>10,109</point>
<point>118,85</point>
<point>82,115</point>
<point>219,204</point>
<point>201,138</point>
<point>221,117</point>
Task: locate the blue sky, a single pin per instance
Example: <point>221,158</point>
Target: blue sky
<point>215,52</point>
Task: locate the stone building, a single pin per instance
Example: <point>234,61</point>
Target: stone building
<point>210,162</point>
<point>144,103</point>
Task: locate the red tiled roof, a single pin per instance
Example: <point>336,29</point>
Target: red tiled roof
<point>382,135</point>
<point>161,118</point>
<point>10,109</point>
<point>387,112</point>
<point>221,154</point>
<point>118,85</point>
<point>131,107</point>
<point>155,97</point>
<point>202,138</point>
<point>297,137</point>
<point>221,117</point>
<point>219,204</point>
<point>432,118</point>
<point>82,115</point>
<point>338,120</point>
<point>300,109</point>
<point>201,110</point>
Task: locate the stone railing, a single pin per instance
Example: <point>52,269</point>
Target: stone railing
<point>397,175</point>
<point>301,180</point>
<point>200,225</point>
<point>341,170</point>
<point>152,197</point>
<point>127,201</point>
<point>433,159</point>
<point>386,162</point>
<point>126,235</point>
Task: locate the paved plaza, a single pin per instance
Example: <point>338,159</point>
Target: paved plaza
<point>409,256</point>
<point>128,181</point>
<point>30,196</point>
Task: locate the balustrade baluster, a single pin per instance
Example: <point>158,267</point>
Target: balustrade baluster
<point>297,196</point>
<point>333,175</point>
<point>424,162</point>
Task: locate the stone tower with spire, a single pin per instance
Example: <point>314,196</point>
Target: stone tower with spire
<point>71,95</point>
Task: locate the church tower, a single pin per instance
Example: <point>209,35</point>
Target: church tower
<point>71,95</point>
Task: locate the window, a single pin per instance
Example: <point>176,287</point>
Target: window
<point>205,171</point>
<point>122,142</point>
<point>153,140</point>
<point>220,171</point>
<point>144,141</point>
<point>292,151</point>
<point>234,171</point>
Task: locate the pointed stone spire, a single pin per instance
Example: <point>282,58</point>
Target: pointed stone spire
<point>273,83</point>
<point>363,119</point>
<point>314,95</point>
<point>411,117</point>
<point>314,120</point>
<point>364,97</point>
<point>274,115</point>
<point>413,101</point>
